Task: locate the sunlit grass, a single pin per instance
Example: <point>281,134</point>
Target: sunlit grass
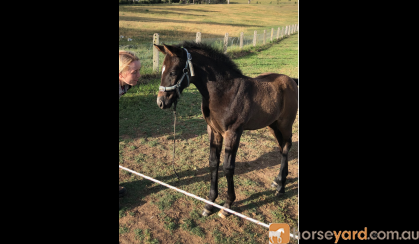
<point>181,22</point>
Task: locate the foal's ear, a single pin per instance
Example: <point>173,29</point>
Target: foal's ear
<point>173,51</point>
<point>160,48</point>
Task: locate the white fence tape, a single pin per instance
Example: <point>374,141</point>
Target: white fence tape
<point>201,199</point>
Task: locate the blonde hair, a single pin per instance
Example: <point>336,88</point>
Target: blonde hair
<point>125,59</point>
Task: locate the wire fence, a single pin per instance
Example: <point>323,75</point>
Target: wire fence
<point>228,44</point>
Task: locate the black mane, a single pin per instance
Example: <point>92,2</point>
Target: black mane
<point>212,53</point>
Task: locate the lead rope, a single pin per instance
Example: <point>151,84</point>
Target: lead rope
<point>185,73</point>
<point>174,139</point>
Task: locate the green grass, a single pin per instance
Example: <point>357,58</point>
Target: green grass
<point>122,212</point>
<point>149,238</point>
<point>166,200</point>
<point>262,62</point>
<point>196,215</point>
<point>278,216</point>
<point>152,143</point>
<point>190,226</point>
<point>138,234</point>
<point>220,238</point>
<point>123,230</point>
<point>170,224</point>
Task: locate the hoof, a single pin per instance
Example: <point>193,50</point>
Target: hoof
<point>274,184</point>
<point>279,194</point>
<point>206,213</point>
<point>223,214</point>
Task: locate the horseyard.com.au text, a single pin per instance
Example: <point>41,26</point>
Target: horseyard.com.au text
<point>357,235</point>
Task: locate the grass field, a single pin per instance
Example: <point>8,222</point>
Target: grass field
<point>151,213</point>
<point>178,22</point>
<point>181,22</point>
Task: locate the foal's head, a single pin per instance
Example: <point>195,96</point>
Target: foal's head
<point>172,71</point>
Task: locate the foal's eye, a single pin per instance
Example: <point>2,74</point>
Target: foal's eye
<point>172,73</point>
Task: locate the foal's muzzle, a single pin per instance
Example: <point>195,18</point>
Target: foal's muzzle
<point>160,103</point>
<point>163,102</point>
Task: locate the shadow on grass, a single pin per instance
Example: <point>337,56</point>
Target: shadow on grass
<point>269,196</point>
<point>166,12</point>
<point>252,51</point>
<point>165,7</point>
<point>137,190</point>
<point>140,116</point>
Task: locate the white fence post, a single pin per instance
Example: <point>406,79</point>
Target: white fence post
<point>225,42</point>
<point>198,37</point>
<point>264,37</point>
<point>277,33</point>
<point>254,38</point>
<point>155,53</point>
<point>272,34</point>
<point>241,40</point>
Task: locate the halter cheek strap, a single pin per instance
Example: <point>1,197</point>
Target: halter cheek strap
<point>185,73</point>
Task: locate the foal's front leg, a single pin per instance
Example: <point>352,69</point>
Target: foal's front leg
<point>232,141</point>
<point>216,143</point>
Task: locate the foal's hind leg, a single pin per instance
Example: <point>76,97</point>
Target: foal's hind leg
<point>284,147</point>
<point>216,143</point>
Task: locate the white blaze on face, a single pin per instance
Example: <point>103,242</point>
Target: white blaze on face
<point>162,69</point>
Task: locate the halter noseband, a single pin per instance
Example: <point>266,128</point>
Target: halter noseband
<point>185,73</point>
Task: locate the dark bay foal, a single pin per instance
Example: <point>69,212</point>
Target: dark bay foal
<point>231,103</point>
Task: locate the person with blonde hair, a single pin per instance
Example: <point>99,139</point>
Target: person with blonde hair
<point>129,73</point>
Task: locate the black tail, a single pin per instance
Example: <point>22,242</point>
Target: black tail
<point>296,80</point>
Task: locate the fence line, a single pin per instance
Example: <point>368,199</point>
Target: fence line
<point>150,57</point>
<point>200,198</point>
